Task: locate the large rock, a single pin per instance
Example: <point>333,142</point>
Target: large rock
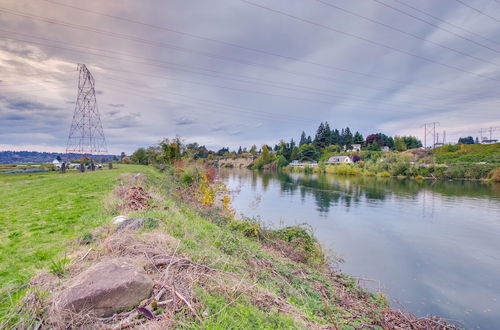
<point>106,288</point>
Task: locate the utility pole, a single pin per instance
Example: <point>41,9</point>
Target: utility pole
<point>444,137</point>
<point>86,135</point>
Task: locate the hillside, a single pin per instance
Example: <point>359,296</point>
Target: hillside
<point>467,153</point>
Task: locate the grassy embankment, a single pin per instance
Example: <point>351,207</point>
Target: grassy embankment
<point>475,162</point>
<point>235,274</point>
<point>40,213</point>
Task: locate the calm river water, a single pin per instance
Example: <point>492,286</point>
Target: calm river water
<point>434,246</point>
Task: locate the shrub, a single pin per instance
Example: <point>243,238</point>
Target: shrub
<point>301,239</point>
<point>495,174</point>
<point>384,174</point>
<point>191,174</point>
<point>346,169</point>
<point>248,228</point>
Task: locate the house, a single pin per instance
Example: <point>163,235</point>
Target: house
<point>339,160</point>
<point>385,149</point>
<point>356,147</point>
<point>56,163</point>
<point>296,163</point>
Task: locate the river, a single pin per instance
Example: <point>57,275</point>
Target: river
<point>433,247</point>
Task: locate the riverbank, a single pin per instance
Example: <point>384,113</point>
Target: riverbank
<point>233,274</point>
<point>457,171</point>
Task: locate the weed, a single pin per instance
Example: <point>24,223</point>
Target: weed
<point>58,267</point>
<point>86,238</point>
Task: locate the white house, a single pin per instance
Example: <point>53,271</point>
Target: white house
<point>56,163</point>
<point>385,149</point>
<point>296,163</point>
<point>356,147</point>
<point>339,160</point>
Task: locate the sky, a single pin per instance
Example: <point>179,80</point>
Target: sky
<point>244,72</point>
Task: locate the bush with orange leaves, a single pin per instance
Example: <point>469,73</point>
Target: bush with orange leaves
<point>200,181</point>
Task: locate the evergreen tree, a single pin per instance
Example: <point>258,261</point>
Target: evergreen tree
<point>347,139</point>
<point>239,150</point>
<point>322,138</point>
<point>336,137</point>
<point>319,134</point>
<point>358,138</point>
<point>327,134</point>
<point>309,140</point>
<point>303,138</point>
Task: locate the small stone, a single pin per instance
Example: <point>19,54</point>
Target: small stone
<point>119,219</point>
<point>109,287</point>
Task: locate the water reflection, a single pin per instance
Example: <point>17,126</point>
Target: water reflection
<point>433,245</point>
<point>334,191</point>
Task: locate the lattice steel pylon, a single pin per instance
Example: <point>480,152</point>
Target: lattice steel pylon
<point>86,135</point>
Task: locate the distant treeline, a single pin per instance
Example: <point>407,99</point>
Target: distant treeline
<point>15,157</point>
<point>326,142</point>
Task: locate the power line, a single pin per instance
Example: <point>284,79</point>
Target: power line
<point>446,22</point>
<point>156,44</point>
<point>220,57</point>
<point>153,43</point>
<point>385,110</point>
<point>313,90</point>
<point>178,66</point>
<point>434,25</point>
<point>382,45</point>
<point>405,32</point>
<point>478,11</point>
<point>265,52</point>
<point>328,93</point>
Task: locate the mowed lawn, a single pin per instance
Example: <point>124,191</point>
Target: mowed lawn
<point>41,213</point>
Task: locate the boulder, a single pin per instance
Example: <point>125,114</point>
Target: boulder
<point>109,287</point>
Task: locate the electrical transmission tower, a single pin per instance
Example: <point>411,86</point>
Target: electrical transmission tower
<point>86,135</point>
<point>430,129</point>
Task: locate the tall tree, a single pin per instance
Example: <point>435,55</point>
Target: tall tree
<point>399,143</point>
<point>358,138</point>
<point>347,138</point>
<point>303,138</point>
<point>327,134</point>
<point>336,137</point>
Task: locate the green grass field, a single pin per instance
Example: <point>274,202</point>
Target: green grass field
<point>40,213</point>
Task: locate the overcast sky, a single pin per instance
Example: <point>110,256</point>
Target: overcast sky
<point>231,72</point>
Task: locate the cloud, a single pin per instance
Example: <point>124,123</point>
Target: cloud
<point>184,121</point>
<point>29,106</point>
<point>236,96</point>
<point>117,105</point>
